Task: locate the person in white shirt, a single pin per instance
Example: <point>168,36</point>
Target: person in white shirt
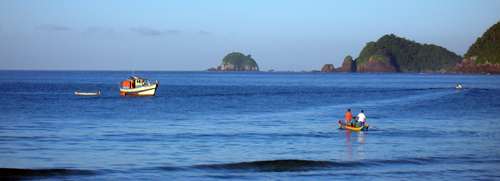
<point>361,119</point>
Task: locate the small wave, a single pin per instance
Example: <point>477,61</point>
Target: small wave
<point>18,174</point>
<point>293,165</point>
<point>279,165</point>
<point>166,168</point>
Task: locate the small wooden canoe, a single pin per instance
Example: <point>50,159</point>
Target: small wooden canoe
<point>363,128</point>
<point>87,93</point>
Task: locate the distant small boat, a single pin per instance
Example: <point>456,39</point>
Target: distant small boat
<point>87,93</point>
<point>138,87</point>
<point>362,128</point>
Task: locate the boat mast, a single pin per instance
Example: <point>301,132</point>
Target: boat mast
<point>133,69</point>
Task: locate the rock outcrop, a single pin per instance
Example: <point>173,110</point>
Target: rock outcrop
<point>467,66</point>
<point>376,66</point>
<point>328,68</point>
<point>349,65</point>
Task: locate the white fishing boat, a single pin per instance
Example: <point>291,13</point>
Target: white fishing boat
<point>138,87</point>
<point>87,93</point>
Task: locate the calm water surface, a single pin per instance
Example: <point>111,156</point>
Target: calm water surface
<point>248,126</point>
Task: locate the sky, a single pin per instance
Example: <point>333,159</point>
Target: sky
<point>185,35</point>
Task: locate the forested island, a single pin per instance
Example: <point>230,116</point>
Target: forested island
<point>393,54</point>
<point>237,61</point>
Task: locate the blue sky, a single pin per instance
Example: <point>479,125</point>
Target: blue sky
<point>196,35</point>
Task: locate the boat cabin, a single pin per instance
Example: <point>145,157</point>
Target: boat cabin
<point>133,82</point>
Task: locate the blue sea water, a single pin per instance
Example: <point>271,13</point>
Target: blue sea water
<point>248,126</point>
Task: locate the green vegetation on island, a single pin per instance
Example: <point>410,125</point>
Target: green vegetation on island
<point>237,61</point>
<point>487,47</point>
<point>407,56</point>
<point>348,59</point>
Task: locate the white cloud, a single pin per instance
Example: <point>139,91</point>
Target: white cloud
<point>102,29</point>
<point>146,31</point>
<point>53,27</point>
<point>172,31</point>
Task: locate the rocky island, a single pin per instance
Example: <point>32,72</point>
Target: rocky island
<point>237,61</point>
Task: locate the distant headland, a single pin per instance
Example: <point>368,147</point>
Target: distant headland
<point>392,54</point>
<point>237,61</point>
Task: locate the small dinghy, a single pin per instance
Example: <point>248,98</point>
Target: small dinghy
<point>87,93</point>
<point>362,128</point>
<point>342,125</point>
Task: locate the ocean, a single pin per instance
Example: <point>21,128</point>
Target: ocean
<point>248,126</point>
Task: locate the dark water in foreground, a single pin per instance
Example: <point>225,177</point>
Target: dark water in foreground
<point>248,126</point>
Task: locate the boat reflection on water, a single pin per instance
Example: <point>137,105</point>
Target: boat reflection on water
<point>347,134</point>
<point>361,137</point>
<point>354,141</point>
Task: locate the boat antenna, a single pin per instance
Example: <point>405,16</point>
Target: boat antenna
<point>133,69</point>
